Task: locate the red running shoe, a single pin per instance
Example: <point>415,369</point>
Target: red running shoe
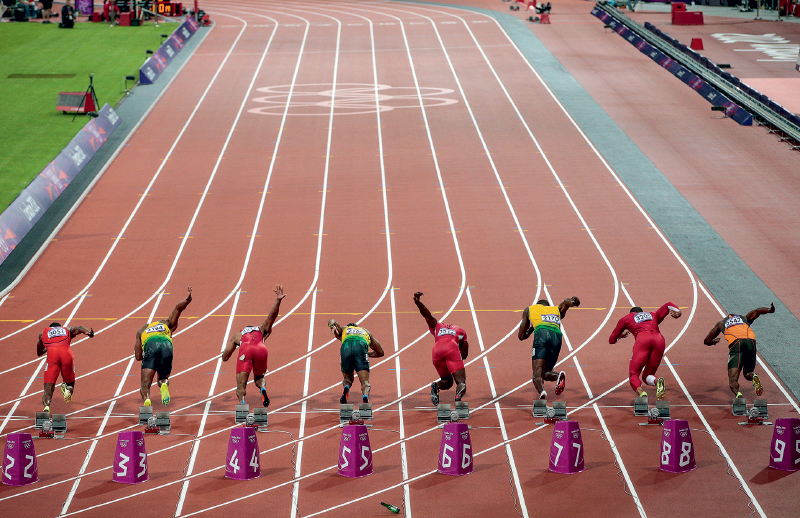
<point>560,382</point>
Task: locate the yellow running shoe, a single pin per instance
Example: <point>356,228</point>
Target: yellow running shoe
<point>661,388</point>
<point>47,409</point>
<point>757,385</point>
<point>147,402</point>
<point>643,394</point>
<point>165,393</point>
<point>739,395</point>
<point>66,392</point>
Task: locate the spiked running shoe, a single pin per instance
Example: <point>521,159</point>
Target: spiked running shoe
<point>643,394</point>
<point>147,402</point>
<point>543,395</point>
<point>561,382</point>
<point>264,397</point>
<point>365,399</point>
<point>165,394</point>
<point>434,393</point>
<point>66,392</point>
<point>343,399</point>
<point>47,408</point>
<point>757,385</point>
<point>661,389</point>
<point>739,395</point>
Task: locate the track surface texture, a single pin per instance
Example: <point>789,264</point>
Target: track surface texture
<point>357,152</point>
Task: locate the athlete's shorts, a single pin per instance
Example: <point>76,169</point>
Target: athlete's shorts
<point>546,346</point>
<point>354,356</point>
<point>252,359</point>
<point>447,359</point>
<point>742,355</point>
<point>59,360</point>
<point>158,357</point>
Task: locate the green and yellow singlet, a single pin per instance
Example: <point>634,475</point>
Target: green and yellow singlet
<point>355,334</point>
<point>157,330</point>
<point>548,316</point>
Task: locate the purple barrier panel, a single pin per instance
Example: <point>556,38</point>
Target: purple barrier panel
<point>785,448</point>
<point>130,459</point>
<point>158,62</point>
<point>13,227</point>
<point>86,7</point>
<point>355,453</point>
<point>243,459</point>
<point>677,450</point>
<point>455,450</point>
<point>566,449</point>
<point>19,460</point>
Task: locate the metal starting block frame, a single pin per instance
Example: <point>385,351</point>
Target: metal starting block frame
<point>558,412</point>
<point>41,417</point>
<point>162,421</point>
<point>757,413</point>
<point>241,413</point>
<point>640,408</point>
<point>443,411</point>
<point>59,425</point>
<point>739,406</point>
<point>145,413</point>
<point>365,409</point>
<point>657,414</point>
<point>345,413</point>
<point>462,407</point>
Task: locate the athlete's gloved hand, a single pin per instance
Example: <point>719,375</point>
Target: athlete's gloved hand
<point>91,333</point>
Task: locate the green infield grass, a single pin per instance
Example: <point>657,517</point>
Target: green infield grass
<point>58,60</point>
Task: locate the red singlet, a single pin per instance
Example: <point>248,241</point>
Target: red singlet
<point>446,355</point>
<point>60,359</point>
<point>253,353</point>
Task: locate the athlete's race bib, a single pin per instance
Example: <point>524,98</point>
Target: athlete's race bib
<point>158,328</point>
<point>445,331</point>
<point>644,316</point>
<point>56,331</point>
<point>551,319</point>
<point>250,329</point>
<point>735,320</point>
<point>356,331</point>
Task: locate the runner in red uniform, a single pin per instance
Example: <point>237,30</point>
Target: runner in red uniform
<point>253,352</point>
<point>55,341</point>
<point>649,345</point>
<point>449,352</point>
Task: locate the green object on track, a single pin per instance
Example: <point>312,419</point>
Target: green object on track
<point>395,510</point>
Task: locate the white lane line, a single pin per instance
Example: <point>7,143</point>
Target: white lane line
<point>778,382</point>
<point>403,452</point>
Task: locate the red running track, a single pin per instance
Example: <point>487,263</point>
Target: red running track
<point>275,158</point>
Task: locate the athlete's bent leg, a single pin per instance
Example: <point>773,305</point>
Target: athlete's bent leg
<point>460,377</point>
<point>147,380</point>
<point>639,358</point>
<point>347,382</point>
<point>733,379</point>
<point>363,378</point>
<point>48,394</point>
<point>241,384</point>
<point>445,383</point>
<point>538,367</point>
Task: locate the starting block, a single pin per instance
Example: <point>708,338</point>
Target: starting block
<point>59,425</point>
<point>145,413</point>
<point>443,411</point>
<point>640,408</point>
<point>162,421</point>
<point>658,414</point>
<point>345,413</point>
<point>241,413</point>
<point>558,412</point>
<point>365,410</point>
<point>41,417</point>
<point>462,408</point>
<point>539,408</point>
<point>46,431</point>
<point>739,406</point>
<point>260,418</point>
<point>757,413</point>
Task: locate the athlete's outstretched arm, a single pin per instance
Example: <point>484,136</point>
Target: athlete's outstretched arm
<point>176,313</point>
<point>336,329</point>
<point>711,338</point>
<point>266,327</point>
<point>618,332</point>
<point>525,329</point>
<point>568,303</point>
<point>233,343</point>
<point>667,309</point>
<point>760,311</point>
<point>75,331</point>
<point>376,351</point>
<point>40,348</point>
<point>137,344</point>
<point>424,311</point>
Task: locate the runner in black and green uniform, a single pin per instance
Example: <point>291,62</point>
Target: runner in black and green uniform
<point>358,346</point>
<point>153,348</point>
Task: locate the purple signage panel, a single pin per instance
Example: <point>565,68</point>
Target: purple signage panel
<point>158,62</point>
<point>19,460</point>
<point>784,452</point>
<point>566,448</point>
<point>37,197</point>
<point>677,449</point>
<point>455,450</point>
<point>130,459</point>
<point>355,453</point>
<point>86,7</point>
<point>243,459</point>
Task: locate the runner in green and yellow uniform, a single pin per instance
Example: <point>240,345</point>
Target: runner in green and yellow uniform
<point>543,321</point>
<point>358,346</point>
<point>153,347</point>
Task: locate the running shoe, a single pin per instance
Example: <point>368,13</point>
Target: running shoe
<point>434,393</point>
<point>560,382</point>
<point>661,389</point>
<point>757,385</point>
<point>739,395</point>
<point>343,399</point>
<point>543,395</point>
<point>643,394</point>
<point>365,398</point>
<point>264,398</point>
<point>66,392</point>
<point>458,399</point>
<point>165,393</point>
<point>47,408</point>
<point>147,402</point>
